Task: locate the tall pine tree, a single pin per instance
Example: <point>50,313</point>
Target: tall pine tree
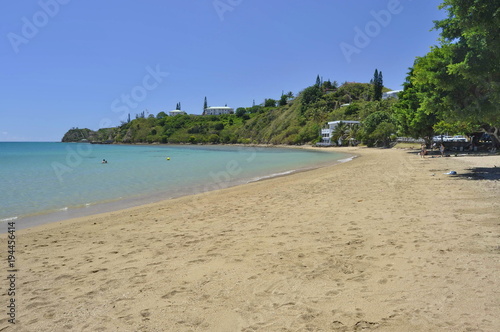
<point>205,105</point>
<point>318,81</point>
<point>378,85</point>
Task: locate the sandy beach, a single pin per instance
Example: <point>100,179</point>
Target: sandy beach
<point>385,242</point>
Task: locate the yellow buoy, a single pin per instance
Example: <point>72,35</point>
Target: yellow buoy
<point>168,158</point>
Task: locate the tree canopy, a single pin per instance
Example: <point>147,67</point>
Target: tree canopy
<point>459,80</point>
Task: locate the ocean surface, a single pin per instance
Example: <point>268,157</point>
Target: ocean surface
<point>69,179</point>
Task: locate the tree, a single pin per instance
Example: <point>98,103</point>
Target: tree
<point>353,134</point>
<point>377,128</point>
<point>219,126</point>
<point>378,85</point>
<point>318,81</point>
<point>214,138</point>
<point>240,111</point>
<point>311,94</point>
<point>465,67</point>
<point>283,100</point>
<point>383,133</point>
<point>141,115</point>
<point>161,115</point>
<point>255,109</point>
<point>205,105</point>
<point>340,132</point>
<point>328,85</point>
<point>355,91</point>
<point>269,103</point>
<point>443,127</point>
<point>411,118</point>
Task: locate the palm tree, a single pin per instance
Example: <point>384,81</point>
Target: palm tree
<point>353,133</point>
<point>340,132</point>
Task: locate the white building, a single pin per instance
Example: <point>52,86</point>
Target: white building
<point>391,94</point>
<point>176,112</point>
<point>327,133</point>
<point>218,110</point>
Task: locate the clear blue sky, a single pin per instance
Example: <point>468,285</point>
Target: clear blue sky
<point>75,63</point>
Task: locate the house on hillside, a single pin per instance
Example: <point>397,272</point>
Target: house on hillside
<point>327,133</point>
<point>218,110</point>
<point>391,94</point>
<point>176,112</point>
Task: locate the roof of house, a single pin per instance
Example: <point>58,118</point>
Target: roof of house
<point>343,121</point>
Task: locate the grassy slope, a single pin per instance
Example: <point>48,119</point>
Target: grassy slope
<point>298,122</point>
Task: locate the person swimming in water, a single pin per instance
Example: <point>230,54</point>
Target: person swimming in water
<point>104,161</point>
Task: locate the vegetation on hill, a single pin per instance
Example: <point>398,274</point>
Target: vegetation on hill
<point>287,120</point>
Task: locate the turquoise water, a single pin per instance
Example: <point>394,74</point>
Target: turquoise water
<point>40,178</point>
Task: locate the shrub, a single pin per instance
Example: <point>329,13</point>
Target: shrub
<point>219,126</point>
<point>214,138</point>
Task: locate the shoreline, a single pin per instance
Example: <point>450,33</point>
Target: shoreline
<point>387,241</point>
<point>113,205</point>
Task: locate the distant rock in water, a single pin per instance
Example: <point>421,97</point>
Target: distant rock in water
<point>102,136</point>
<point>78,135</point>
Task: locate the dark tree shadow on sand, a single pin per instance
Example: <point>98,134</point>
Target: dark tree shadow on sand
<point>475,173</point>
<point>482,173</point>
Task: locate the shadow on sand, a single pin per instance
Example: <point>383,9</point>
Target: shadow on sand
<point>481,173</point>
<point>475,173</point>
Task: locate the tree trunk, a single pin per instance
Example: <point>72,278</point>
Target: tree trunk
<point>428,142</point>
<point>494,132</point>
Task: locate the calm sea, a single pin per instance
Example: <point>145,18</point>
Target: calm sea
<point>38,179</point>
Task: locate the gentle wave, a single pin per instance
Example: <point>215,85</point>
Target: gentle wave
<point>8,219</point>
<point>346,159</point>
<point>271,176</point>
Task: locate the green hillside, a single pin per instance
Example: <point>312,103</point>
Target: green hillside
<point>288,120</point>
